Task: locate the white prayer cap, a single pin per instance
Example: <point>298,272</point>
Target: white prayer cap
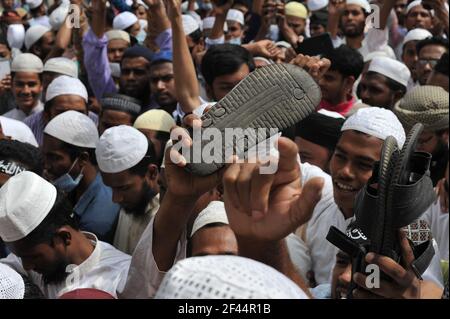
<point>73,128</point>
<point>185,5</point>
<point>226,277</point>
<point>283,44</point>
<point>370,56</point>
<point>33,34</point>
<point>417,35</point>
<point>362,3</point>
<point>124,20</point>
<point>27,62</point>
<point>332,114</point>
<point>17,130</point>
<point>213,213</point>
<point>33,4</point>
<point>58,16</point>
<point>189,24</point>
<point>412,5</point>
<point>314,5</point>
<point>62,66</point>
<point>156,120</point>
<point>25,200</point>
<point>208,23</point>
<point>12,285</point>
<point>66,85</point>
<point>15,35</point>
<point>391,68</point>
<point>235,15</point>
<point>118,35</point>
<point>376,122</point>
<point>120,148</point>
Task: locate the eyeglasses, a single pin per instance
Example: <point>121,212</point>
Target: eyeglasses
<point>431,62</point>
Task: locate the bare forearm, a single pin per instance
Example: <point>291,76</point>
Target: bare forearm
<point>217,30</point>
<point>159,18</point>
<point>184,70</point>
<point>170,221</point>
<point>386,8</point>
<point>274,254</point>
<point>257,6</point>
<point>98,22</point>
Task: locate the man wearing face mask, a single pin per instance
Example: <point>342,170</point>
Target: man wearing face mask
<point>235,22</point>
<point>128,165</point>
<point>69,160</point>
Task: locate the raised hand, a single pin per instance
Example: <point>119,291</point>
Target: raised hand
<point>316,67</point>
<point>267,207</point>
<point>173,8</point>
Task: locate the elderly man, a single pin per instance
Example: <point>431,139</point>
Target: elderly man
<point>47,246</point>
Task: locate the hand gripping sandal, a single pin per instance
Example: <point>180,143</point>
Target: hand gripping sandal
<point>399,191</point>
<point>272,97</point>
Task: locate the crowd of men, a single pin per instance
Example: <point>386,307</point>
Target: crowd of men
<point>93,205</point>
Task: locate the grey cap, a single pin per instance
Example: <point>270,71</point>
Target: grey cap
<point>122,103</point>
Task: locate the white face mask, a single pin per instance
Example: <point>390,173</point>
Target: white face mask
<point>115,69</point>
<point>237,41</point>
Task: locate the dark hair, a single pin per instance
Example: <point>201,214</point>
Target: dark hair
<point>442,65</point>
<point>436,40</point>
<point>346,61</point>
<point>225,59</point>
<point>61,214</point>
<point>24,153</point>
<point>196,36</point>
<point>149,158</point>
<point>75,151</point>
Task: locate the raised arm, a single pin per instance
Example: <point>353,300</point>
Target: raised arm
<point>221,17</point>
<point>184,70</point>
<point>335,8</point>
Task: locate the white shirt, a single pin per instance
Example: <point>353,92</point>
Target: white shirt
<point>130,227</point>
<point>375,40</point>
<point>322,254</point>
<point>17,130</point>
<point>438,221</point>
<point>105,269</point>
<point>144,277</point>
<point>18,114</point>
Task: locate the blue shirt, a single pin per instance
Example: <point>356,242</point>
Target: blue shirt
<point>96,210</point>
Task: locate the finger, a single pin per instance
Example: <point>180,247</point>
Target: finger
<point>386,289</point>
<point>190,120</point>
<point>288,154</point>
<point>260,192</point>
<point>407,252</point>
<point>229,185</point>
<point>303,209</point>
<point>243,186</point>
<point>390,268</point>
<point>178,134</point>
<point>360,293</point>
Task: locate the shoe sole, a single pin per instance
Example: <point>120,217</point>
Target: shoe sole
<point>275,96</point>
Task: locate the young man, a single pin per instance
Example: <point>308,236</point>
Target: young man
<point>26,70</point>
<point>69,143</point>
<point>337,83</point>
<point>418,17</point>
<point>47,246</point>
<point>117,109</point>
<point>385,82</point>
<point>39,41</point>
<point>235,22</point>
<point>429,52</point>
<point>128,165</point>
<point>439,76</point>
<point>38,12</point>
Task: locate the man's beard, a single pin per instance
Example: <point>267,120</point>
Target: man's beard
<point>359,31</point>
<point>58,274</point>
<point>139,209</point>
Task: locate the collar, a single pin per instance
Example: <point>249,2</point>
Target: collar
<point>341,108</point>
<point>88,196</point>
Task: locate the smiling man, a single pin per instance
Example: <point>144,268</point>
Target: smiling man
<point>26,70</point>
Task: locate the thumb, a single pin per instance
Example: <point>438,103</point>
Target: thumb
<point>302,211</point>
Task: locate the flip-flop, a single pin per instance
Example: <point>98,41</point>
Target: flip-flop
<point>272,97</point>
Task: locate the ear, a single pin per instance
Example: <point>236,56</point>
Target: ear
<point>152,173</point>
<point>64,236</point>
<point>83,160</point>
<point>397,96</point>
<point>36,50</point>
<point>445,136</point>
<point>349,81</point>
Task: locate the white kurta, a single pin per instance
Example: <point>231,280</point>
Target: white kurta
<point>130,227</point>
<point>144,276</point>
<point>438,221</point>
<point>105,269</point>
<point>322,254</point>
<point>19,115</point>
